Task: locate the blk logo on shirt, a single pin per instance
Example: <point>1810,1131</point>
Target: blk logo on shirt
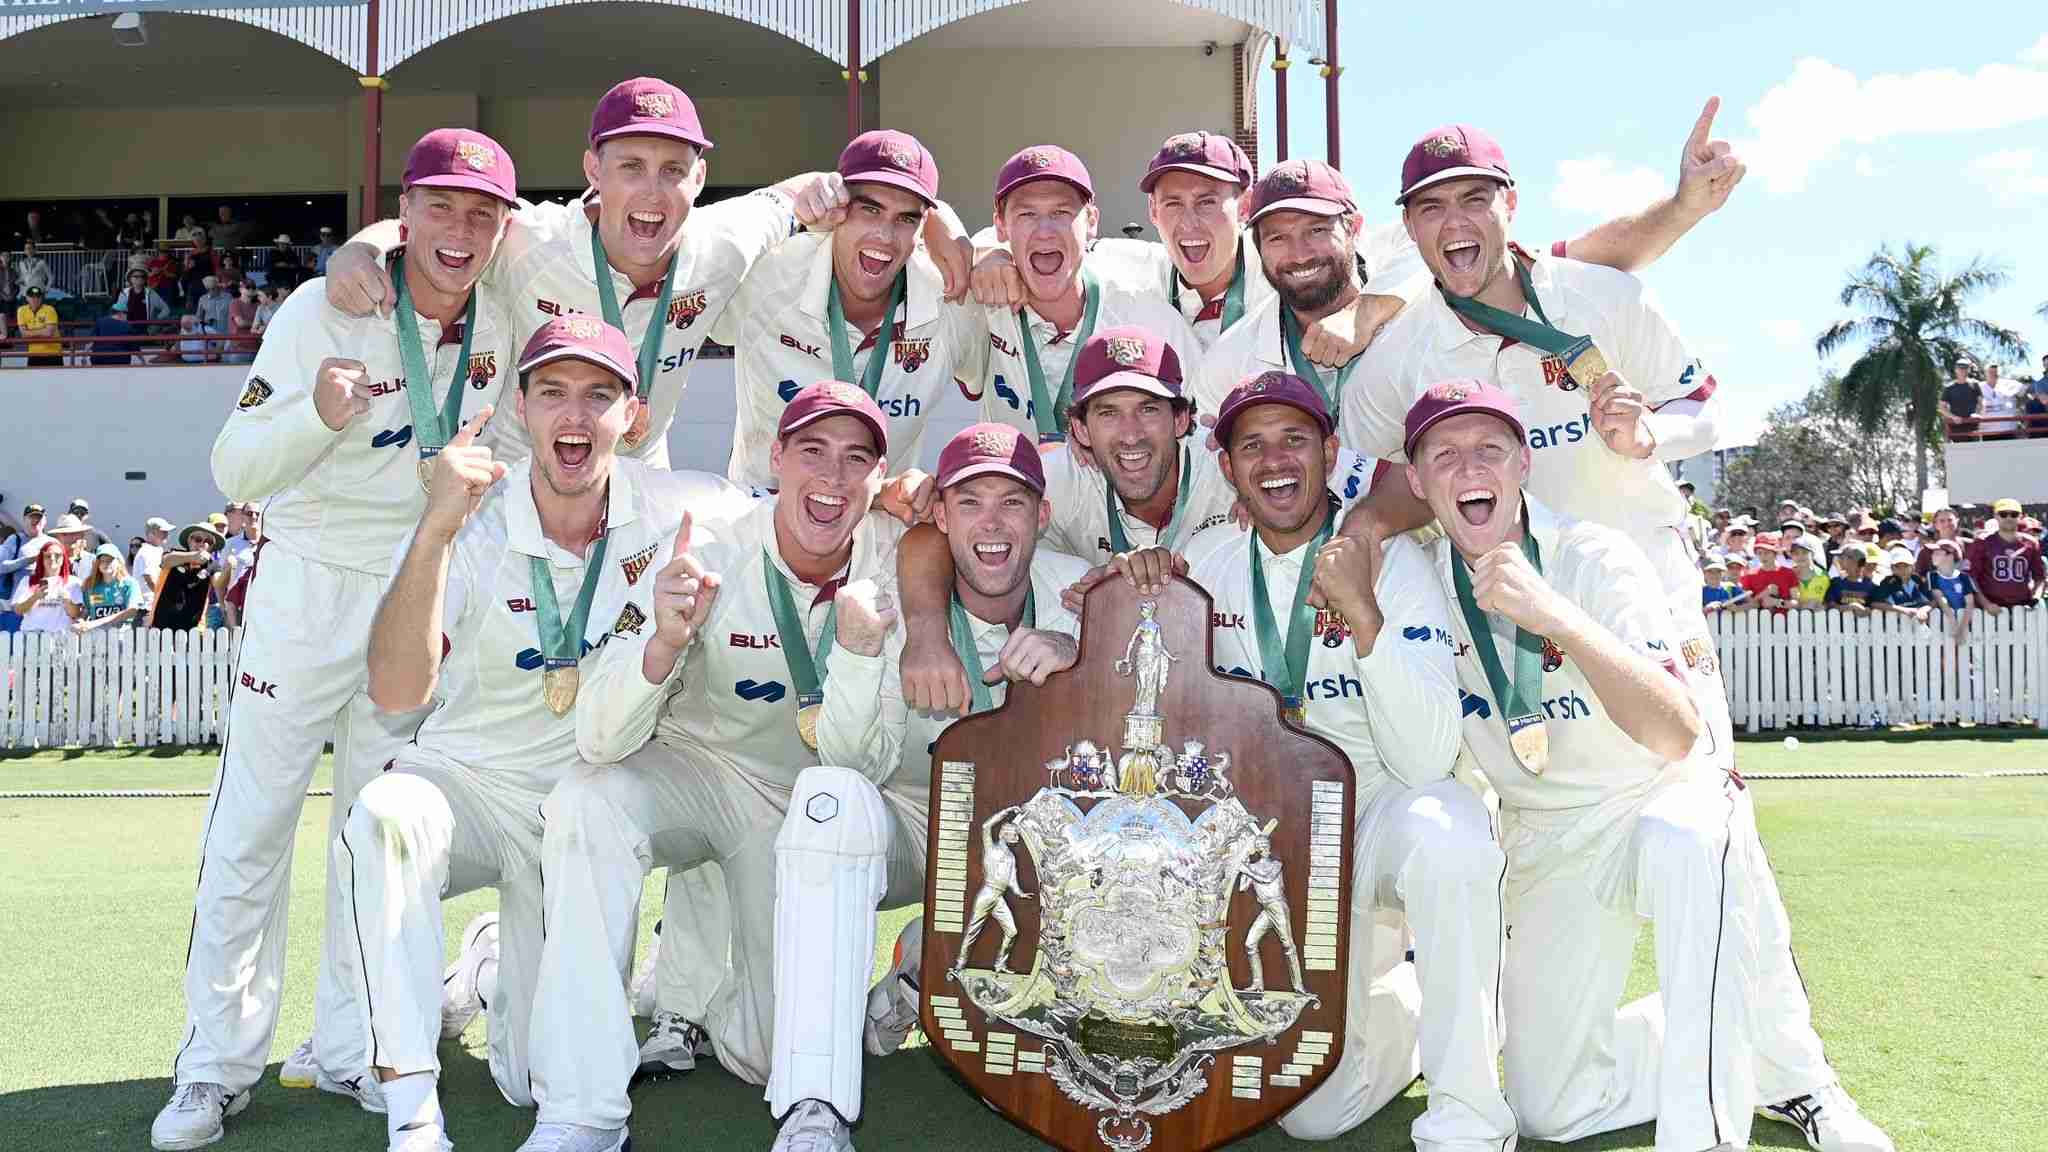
<point>260,687</point>
<point>811,350</point>
<point>760,640</point>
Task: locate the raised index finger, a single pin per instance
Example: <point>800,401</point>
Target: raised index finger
<point>466,435</point>
<point>1696,144</point>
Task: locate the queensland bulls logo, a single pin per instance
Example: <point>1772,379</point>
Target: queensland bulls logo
<point>1332,628</point>
<point>483,366</point>
<point>684,310</point>
<point>1699,655</point>
<point>479,157</point>
<point>655,105</point>
<point>911,354</point>
<point>1556,376</point>
<point>636,564</point>
<point>1553,656</point>
<point>1126,350</point>
<point>1184,145</point>
<point>1443,147</point>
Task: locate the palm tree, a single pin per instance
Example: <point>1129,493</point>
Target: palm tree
<point>1912,330</point>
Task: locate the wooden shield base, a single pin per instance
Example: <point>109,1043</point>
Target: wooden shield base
<point>1274,768</point>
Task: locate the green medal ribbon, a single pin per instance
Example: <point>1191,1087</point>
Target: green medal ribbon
<point>842,348</point>
<point>1120,543</point>
<point>1520,703</point>
<point>1290,663</point>
<point>1290,334</point>
<point>1537,333</point>
<point>608,299</point>
<point>806,663</point>
<point>962,630</point>
<point>561,642</point>
<point>1233,296</point>
<point>1050,411</point>
<point>431,430</point>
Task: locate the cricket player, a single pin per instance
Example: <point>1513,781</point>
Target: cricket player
<point>1598,439</point>
<point>1375,674</point>
<point>863,304</point>
<point>1005,620</point>
<point>1577,710</point>
<point>634,250</point>
<point>335,428</point>
<point>511,577</point>
<point>728,682</point>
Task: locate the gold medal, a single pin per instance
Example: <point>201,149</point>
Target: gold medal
<point>807,724</point>
<point>558,688</point>
<point>427,476</point>
<point>1586,363</point>
<point>1530,740</point>
<point>1296,715</point>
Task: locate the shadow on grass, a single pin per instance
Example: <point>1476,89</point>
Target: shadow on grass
<point>1947,733</point>
<point>120,752</point>
<point>913,1101</point>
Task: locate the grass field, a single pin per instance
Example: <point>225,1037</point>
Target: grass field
<point>1917,909</point>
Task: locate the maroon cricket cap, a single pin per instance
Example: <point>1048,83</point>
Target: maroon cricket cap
<point>1450,153</point>
<point>645,106</point>
<point>462,158</point>
<point>833,398</point>
<point>1271,387</point>
<point>893,158</point>
<point>991,450</point>
<point>581,336</point>
<point>1302,186</point>
<point>1043,162</point>
<point>1447,398</point>
<point>1204,154</point>
<point>1126,356</point>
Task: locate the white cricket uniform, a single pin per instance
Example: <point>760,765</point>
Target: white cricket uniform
<point>1571,468</point>
<point>781,339</point>
<point>544,269</point>
<point>338,504</point>
<point>1424,857</point>
<point>460,807</point>
<point>1611,834</point>
<point>1002,383</point>
<point>711,785</point>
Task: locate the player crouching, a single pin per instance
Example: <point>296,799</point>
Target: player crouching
<point>1578,711</point>
<point>502,589</point>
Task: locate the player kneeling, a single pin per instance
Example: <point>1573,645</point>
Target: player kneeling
<point>1612,811</point>
<point>501,590</point>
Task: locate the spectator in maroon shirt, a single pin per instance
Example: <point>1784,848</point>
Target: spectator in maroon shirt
<point>2006,566</point>
<point>242,324</point>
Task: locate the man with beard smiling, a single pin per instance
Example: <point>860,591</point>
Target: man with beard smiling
<point>501,591</point>
<point>860,304</point>
<point>1578,713</point>
<point>1375,674</point>
<point>323,432</point>
<point>663,284</point>
<point>728,683</point>
<point>1006,621</point>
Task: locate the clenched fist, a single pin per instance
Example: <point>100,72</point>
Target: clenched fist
<point>1618,411</point>
<point>1347,579</point>
<point>340,391</point>
<point>866,616</point>
<point>1503,582</point>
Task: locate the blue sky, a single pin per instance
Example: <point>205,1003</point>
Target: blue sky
<point>1862,125</point>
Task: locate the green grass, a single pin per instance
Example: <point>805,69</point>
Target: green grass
<point>1916,908</point>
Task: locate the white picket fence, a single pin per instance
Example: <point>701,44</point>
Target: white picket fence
<point>114,686</point>
<point>1822,669</point>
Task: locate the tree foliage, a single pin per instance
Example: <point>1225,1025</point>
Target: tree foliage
<point>1818,453</point>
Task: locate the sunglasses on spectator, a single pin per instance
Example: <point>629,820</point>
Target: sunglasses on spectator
<point>2008,515</point>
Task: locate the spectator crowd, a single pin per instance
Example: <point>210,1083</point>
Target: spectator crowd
<point>65,575</point>
<point>1980,403</point>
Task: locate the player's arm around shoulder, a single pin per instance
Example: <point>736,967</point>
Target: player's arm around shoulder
<point>304,388</point>
<point>1411,673</point>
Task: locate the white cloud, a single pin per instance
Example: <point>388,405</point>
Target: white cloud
<point>2012,174</point>
<point>1802,122</point>
<point>2038,54</point>
<point>1594,186</point>
<point>1786,332</point>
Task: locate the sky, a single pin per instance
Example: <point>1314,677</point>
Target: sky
<point>1863,125</point>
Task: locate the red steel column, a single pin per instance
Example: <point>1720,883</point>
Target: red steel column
<point>1279,101</point>
<point>373,120</point>
<point>1331,71</point>
<point>853,76</point>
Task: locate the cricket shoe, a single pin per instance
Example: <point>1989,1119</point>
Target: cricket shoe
<point>461,997</point>
<point>428,1138</point>
<point>671,1048</point>
<point>577,1138</point>
<point>812,1126</point>
<point>1831,1122</point>
<point>892,1002</point>
<point>301,1070</point>
<point>194,1117</point>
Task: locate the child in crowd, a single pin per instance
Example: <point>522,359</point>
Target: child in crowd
<point>1902,592</point>
<point>1717,592</point>
<point>1853,589</point>
<point>1808,570</point>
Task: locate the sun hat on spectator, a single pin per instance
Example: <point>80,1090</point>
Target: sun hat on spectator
<point>1765,540</point>
<point>108,551</point>
<point>32,510</point>
<point>68,525</point>
<point>1743,522</point>
<point>1714,560</point>
<point>217,521</point>
<point>2006,505</point>
<point>1835,518</point>
<point>282,238</point>
<point>185,537</point>
<point>159,524</point>
<point>35,290</point>
<point>1737,560</point>
<point>1807,543</point>
<point>1898,556</point>
<point>1888,525</point>
<point>78,504</point>
<point>1793,523</point>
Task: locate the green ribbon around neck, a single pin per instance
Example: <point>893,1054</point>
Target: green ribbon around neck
<point>431,429</point>
<point>1118,541</point>
<point>1538,333</point>
<point>561,642</point>
<point>1520,703</point>
<point>608,299</point>
<point>842,342</point>
<point>1289,663</point>
<point>1049,410</point>
<point>1290,334</point>
<point>962,629</point>
<point>1233,296</point>
<point>805,661</point>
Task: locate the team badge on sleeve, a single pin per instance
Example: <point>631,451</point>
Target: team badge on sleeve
<point>911,354</point>
<point>254,393</point>
<point>636,564</point>
<point>631,620</point>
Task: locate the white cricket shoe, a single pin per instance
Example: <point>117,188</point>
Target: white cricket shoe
<point>1831,1122</point>
<point>812,1126</point>
<point>193,1118</point>
<point>672,1047</point>
<point>301,1070</point>
<point>576,1138</point>
<point>460,999</point>
<point>892,1002</point>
